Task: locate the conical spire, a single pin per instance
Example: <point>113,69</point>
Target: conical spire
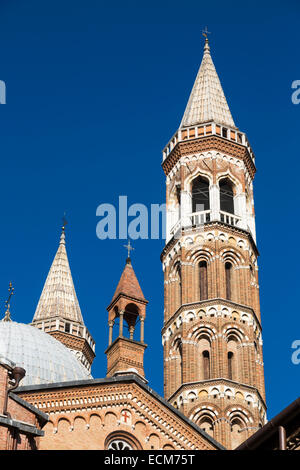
<point>128,284</point>
<point>58,297</point>
<point>207,101</point>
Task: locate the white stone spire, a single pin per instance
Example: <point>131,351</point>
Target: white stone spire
<point>207,101</point>
<point>58,298</point>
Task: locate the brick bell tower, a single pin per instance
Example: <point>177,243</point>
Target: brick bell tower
<point>213,360</point>
<point>125,353</point>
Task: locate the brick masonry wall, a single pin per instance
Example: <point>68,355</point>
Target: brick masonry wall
<point>89,417</point>
<point>11,438</point>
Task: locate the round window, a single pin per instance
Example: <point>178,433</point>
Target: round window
<point>119,444</point>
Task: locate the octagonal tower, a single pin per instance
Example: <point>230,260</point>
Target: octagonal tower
<point>213,360</point>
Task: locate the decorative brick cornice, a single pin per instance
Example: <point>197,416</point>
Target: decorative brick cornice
<point>233,230</point>
<point>99,395</point>
<point>218,381</point>
<point>208,303</point>
<point>205,144</point>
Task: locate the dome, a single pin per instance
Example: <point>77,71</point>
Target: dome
<point>44,358</point>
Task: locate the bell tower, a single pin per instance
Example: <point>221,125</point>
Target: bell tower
<point>212,339</point>
<point>125,353</point>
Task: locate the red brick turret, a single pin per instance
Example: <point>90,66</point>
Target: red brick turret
<point>129,304</point>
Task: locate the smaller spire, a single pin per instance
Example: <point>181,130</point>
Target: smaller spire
<point>58,298</point>
<point>207,101</point>
<point>126,355</point>
<point>128,284</point>
<point>7,303</point>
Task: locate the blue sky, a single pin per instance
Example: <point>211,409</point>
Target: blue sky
<point>94,92</point>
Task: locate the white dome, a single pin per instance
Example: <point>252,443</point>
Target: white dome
<point>45,359</point>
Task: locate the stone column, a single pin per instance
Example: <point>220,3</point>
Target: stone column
<point>131,331</point>
<point>186,208</point>
<point>214,201</point>
<point>142,319</point>
<point>121,323</point>
<point>239,202</point>
<point>110,334</point>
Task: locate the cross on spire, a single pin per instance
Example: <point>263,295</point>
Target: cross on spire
<point>64,220</point>
<point>205,32</point>
<point>129,248</point>
<point>10,294</point>
<point>7,303</point>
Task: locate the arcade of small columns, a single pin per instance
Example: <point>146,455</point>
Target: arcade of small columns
<point>214,168</point>
<point>131,318</point>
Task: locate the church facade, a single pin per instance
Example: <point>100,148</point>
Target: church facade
<point>214,396</point>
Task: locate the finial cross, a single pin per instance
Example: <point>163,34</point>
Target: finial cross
<point>129,248</point>
<point>205,32</point>
<point>10,292</point>
<point>64,220</point>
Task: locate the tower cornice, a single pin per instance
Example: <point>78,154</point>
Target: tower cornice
<point>187,146</point>
<point>207,303</point>
<point>215,223</point>
<point>212,382</point>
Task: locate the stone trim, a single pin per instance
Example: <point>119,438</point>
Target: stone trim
<point>210,302</point>
<point>25,428</point>
<point>215,381</point>
<point>43,416</point>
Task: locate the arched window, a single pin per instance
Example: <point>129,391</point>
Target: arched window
<point>200,194</point>
<point>203,280</point>
<point>177,364</point>
<point>179,287</point>
<point>228,280</point>
<point>226,196</point>
<point>230,365</point>
<point>119,444</point>
<point>131,315</point>
<point>237,434</point>
<point>206,365</point>
<point>205,423</point>
<point>181,362</point>
<point>233,364</point>
<point>204,355</point>
<point>121,440</point>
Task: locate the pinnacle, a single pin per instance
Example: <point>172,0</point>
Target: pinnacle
<point>58,297</point>
<point>128,283</point>
<point>207,101</point>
